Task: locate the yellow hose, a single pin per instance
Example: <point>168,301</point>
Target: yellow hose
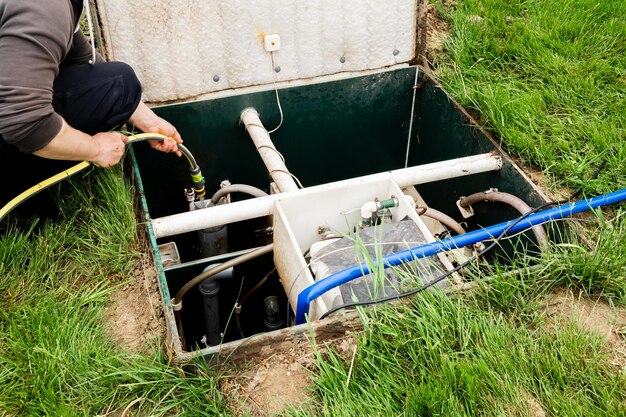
<point>42,186</point>
<point>68,173</point>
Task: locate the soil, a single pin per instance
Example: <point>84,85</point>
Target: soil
<point>533,407</point>
<point>437,33</point>
<point>134,317</point>
<point>270,386</point>
<point>591,315</point>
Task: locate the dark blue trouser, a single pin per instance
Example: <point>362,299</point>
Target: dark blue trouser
<point>91,98</point>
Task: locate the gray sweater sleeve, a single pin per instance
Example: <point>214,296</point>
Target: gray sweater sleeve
<point>80,52</point>
<point>35,37</point>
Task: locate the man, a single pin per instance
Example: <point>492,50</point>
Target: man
<point>58,100</point>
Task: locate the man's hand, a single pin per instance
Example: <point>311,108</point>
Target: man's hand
<point>110,149</point>
<point>103,149</point>
<point>148,122</point>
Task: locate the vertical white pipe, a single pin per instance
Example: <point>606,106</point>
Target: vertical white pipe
<point>263,143</point>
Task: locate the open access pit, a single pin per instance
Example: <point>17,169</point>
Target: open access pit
<point>361,168</point>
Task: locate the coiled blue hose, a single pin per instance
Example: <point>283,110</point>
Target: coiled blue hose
<point>339,278</point>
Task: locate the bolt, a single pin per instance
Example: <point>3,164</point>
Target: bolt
<point>396,52</point>
<point>277,68</point>
<point>342,59</point>
<point>216,78</point>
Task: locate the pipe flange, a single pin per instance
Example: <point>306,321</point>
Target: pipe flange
<point>466,212</point>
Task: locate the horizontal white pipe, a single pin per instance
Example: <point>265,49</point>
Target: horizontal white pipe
<point>263,206</point>
<point>270,156</point>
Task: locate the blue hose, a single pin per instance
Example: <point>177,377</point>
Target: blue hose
<point>339,278</point>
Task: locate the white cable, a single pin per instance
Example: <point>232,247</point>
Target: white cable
<point>91,39</point>
<point>408,142</point>
<point>280,108</point>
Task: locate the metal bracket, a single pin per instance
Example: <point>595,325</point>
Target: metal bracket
<point>465,212</point>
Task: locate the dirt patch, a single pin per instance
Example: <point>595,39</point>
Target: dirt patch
<point>269,386</point>
<point>542,181</point>
<point>437,33</point>
<point>528,406</point>
<point>533,407</point>
<point>134,317</point>
<point>594,316</point>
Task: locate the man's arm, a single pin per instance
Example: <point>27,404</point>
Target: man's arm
<point>102,149</point>
<point>33,41</point>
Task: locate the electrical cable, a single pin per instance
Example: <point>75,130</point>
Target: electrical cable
<point>196,174</point>
<point>282,158</point>
<point>456,269</point>
<point>280,108</point>
<point>443,276</point>
<point>233,311</point>
<point>280,155</point>
<point>467,262</point>
<point>408,142</point>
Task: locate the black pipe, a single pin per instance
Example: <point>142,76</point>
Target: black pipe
<point>210,288</point>
<point>273,317</point>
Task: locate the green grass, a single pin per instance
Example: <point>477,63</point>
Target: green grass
<point>438,356</point>
<point>598,271</point>
<point>55,357</point>
<point>549,79</point>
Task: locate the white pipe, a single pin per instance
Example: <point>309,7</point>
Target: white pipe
<point>411,200</point>
<point>264,206</point>
<point>263,143</point>
<point>367,210</point>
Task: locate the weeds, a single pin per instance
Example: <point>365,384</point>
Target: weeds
<point>548,78</point>
<point>54,354</point>
<point>438,356</point>
<point>599,270</point>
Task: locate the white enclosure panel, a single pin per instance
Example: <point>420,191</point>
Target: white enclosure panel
<point>183,49</point>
